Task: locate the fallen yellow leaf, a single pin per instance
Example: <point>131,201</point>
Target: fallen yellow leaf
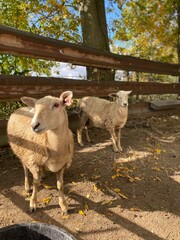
<point>121,175</point>
<point>138,179</point>
<point>81,212</point>
<point>122,195</point>
<point>113,177</point>
<point>88,195</point>
<point>95,187</point>
<point>106,202</point>
<point>47,200</point>
<point>131,179</point>
<point>116,190</point>
<point>96,177</point>
<point>156,169</point>
<point>127,170</point>
<point>158,151</point>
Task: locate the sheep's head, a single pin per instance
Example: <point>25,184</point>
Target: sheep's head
<point>121,97</point>
<point>48,111</point>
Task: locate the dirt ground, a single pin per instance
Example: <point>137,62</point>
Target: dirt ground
<point>131,196</point>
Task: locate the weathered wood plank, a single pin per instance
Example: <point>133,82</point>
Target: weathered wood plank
<point>14,87</point>
<point>164,104</point>
<point>20,43</point>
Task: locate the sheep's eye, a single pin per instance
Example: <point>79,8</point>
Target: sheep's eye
<point>56,105</point>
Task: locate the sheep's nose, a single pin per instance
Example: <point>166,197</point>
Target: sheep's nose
<point>35,127</point>
<point>125,104</point>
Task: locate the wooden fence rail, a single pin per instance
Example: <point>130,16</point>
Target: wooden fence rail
<point>20,43</point>
<point>14,87</point>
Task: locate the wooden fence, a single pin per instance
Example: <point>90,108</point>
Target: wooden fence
<point>20,43</point>
<point>14,87</point>
<point>13,41</point>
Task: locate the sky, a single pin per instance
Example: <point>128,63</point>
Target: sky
<point>65,70</point>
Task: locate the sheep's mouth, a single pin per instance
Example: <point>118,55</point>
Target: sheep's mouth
<point>37,130</point>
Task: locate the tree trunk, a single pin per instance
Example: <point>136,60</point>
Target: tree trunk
<point>94,30</point>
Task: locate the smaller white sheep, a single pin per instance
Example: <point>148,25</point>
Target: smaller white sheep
<point>39,135</point>
<point>104,114</point>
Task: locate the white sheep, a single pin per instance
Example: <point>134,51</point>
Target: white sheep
<point>39,135</point>
<point>102,113</point>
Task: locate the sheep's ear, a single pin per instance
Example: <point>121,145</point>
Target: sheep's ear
<point>112,94</point>
<point>66,98</point>
<point>128,92</point>
<point>29,101</point>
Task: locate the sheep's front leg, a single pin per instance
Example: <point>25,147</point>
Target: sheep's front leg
<point>60,187</point>
<point>114,139</point>
<point>83,119</point>
<point>87,134</point>
<point>79,136</point>
<point>118,135</point>
<point>26,180</point>
<point>42,174</point>
<point>33,199</point>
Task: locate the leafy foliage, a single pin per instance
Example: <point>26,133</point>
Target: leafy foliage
<point>6,108</point>
<point>141,28</point>
<point>49,18</point>
<point>149,29</point>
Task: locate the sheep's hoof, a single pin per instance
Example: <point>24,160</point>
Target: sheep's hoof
<point>32,210</point>
<point>65,212</point>
<point>119,148</point>
<point>33,207</point>
<point>81,144</point>
<point>116,151</point>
